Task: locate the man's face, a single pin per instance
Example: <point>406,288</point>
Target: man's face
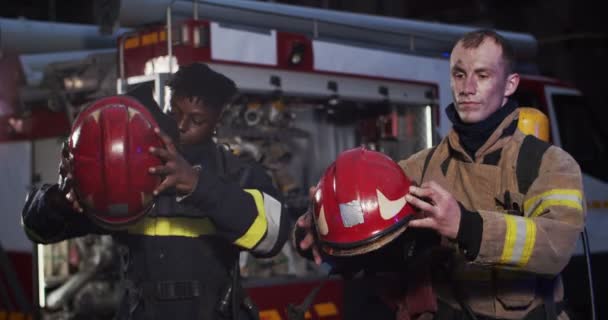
<point>478,80</point>
<point>195,120</point>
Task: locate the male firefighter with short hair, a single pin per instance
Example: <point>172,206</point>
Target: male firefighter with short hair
<point>181,257</point>
<point>509,207</point>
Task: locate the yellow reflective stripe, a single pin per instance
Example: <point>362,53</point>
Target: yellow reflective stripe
<point>536,205</point>
<point>520,237</point>
<point>180,227</point>
<point>257,230</point>
<point>510,236</point>
<point>550,203</point>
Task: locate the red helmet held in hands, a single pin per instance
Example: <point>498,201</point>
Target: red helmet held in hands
<point>359,204</point>
<point>109,146</point>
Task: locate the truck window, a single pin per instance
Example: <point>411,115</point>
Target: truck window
<point>581,135</point>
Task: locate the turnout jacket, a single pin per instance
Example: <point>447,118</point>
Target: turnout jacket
<point>522,239</point>
<point>177,260</point>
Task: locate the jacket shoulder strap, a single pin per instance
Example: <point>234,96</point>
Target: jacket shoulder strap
<point>427,160</point>
<point>528,161</point>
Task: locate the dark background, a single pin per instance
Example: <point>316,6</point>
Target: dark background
<point>572,37</point>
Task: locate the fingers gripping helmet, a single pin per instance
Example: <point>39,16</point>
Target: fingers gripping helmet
<point>359,204</point>
<point>109,146</point>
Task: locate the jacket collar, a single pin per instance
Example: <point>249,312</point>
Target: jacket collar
<point>204,154</point>
<point>501,135</point>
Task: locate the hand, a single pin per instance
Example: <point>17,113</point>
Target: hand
<point>66,182</point>
<point>177,172</point>
<point>441,213</point>
<point>305,222</point>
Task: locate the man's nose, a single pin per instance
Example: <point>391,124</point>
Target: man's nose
<point>182,124</point>
<point>470,85</point>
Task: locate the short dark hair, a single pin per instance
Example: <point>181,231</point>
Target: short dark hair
<point>474,39</point>
<point>198,81</point>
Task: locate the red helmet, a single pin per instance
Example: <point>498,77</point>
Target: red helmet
<point>109,146</point>
<point>359,205</point>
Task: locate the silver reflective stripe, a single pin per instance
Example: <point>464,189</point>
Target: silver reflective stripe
<point>351,213</point>
<point>520,240</point>
<point>272,208</point>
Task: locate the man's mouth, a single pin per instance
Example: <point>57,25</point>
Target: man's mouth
<point>467,105</point>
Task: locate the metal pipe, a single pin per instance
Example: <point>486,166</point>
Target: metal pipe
<point>387,32</point>
<point>34,64</point>
<point>28,36</point>
<point>121,60</point>
<point>195,10</point>
<point>169,38</point>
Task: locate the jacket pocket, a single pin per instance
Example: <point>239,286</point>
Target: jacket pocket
<point>515,290</point>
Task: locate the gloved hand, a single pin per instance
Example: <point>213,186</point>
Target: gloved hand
<point>66,181</point>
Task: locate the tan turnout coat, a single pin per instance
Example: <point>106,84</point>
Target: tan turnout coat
<point>534,241</point>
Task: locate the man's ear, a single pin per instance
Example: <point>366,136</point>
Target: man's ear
<point>512,83</point>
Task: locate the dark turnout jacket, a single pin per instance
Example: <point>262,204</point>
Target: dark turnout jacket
<point>177,260</point>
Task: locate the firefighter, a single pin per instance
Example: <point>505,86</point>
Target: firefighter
<point>181,260</point>
<point>509,207</point>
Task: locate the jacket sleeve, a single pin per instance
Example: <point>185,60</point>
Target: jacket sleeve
<point>544,238</point>
<point>250,216</point>
<point>48,218</point>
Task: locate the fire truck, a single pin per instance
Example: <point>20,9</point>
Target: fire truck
<point>312,83</point>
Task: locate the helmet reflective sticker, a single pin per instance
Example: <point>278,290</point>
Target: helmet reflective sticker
<point>351,213</point>
<point>389,208</point>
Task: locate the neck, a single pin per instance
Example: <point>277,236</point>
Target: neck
<point>474,135</point>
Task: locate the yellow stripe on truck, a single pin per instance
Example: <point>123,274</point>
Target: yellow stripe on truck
<point>327,309</point>
<point>14,316</point>
<point>272,314</point>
